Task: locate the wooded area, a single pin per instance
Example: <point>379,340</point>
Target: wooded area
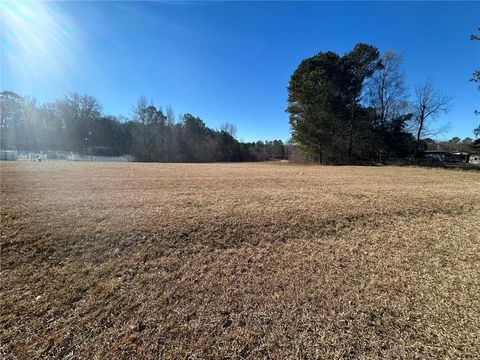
<point>347,109</point>
<point>356,108</point>
<point>76,123</point>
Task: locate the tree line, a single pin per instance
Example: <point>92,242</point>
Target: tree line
<point>350,108</point>
<point>76,124</point>
<point>356,108</point>
<point>453,144</point>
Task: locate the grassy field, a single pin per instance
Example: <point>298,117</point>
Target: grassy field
<point>130,260</point>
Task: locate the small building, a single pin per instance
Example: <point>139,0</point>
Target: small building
<point>450,157</point>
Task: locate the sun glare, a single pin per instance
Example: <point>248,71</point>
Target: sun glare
<point>39,43</point>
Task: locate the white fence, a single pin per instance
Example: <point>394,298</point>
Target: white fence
<point>57,155</point>
<point>78,157</point>
<point>11,155</point>
<point>32,156</point>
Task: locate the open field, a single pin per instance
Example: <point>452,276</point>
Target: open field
<point>128,260</point>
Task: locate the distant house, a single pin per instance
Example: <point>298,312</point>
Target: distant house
<point>458,156</point>
<point>451,157</point>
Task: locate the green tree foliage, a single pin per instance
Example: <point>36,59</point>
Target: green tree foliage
<point>358,65</point>
<point>316,104</point>
<point>326,106</point>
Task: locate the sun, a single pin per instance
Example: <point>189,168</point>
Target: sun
<point>39,42</point>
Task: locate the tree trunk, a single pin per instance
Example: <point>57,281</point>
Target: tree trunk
<point>321,153</point>
<point>333,142</point>
<point>421,121</point>
<point>350,140</point>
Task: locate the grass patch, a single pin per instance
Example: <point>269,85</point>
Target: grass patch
<point>238,260</point>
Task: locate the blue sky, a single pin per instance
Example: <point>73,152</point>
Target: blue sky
<point>228,61</point>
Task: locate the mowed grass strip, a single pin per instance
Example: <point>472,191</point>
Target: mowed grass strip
<point>135,260</point>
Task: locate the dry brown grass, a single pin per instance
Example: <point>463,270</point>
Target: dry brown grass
<point>238,261</point>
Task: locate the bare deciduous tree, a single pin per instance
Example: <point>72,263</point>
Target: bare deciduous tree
<point>429,103</point>
<point>140,108</point>
<point>170,116</point>
<point>387,91</point>
<point>229,128</point>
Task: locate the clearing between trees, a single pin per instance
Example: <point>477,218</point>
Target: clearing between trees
<point>132,260</point>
